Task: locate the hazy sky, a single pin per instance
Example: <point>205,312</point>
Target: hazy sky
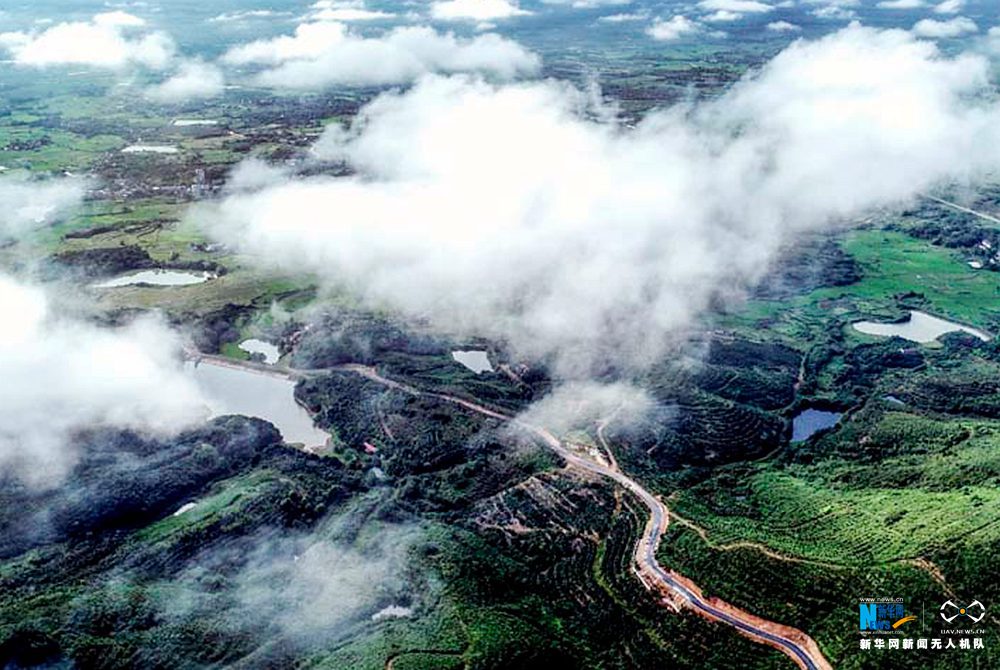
<point>194,48</point>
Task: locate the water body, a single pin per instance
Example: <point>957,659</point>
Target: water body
<point>186,123</point>
<point>158,278</point>
<point>477,361</point>
<point>810,421</point>
<point>150,149</point>
<point>270,351</point>
<point>237,391</point>
<point>920,327</point>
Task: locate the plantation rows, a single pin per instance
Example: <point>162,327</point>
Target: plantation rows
<point>815,599</point>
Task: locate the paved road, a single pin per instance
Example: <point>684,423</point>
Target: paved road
<point>806,654</point>
<point>955,205</point>
<point>647,556</point>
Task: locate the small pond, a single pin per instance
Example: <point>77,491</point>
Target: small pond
<point>477,361</point>
<point>157,278</point>
<point>269,351</point>
<point>188,123</point>
<point>920,327</point>
<point>150,149</point>
<point>810,421</point>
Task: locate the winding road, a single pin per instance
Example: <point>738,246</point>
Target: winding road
<point>794,643</point>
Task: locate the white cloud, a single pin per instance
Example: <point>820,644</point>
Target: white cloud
<point>741,6</point>
<point>253,174</point>
<point>475,10</point>
<point>835,13</point>
<point>834,3</point>
<point>524,212</point>
<point>579,405</point>
<point>110,40</point>
<point>783,27</point>
<point>622,18</point>
<point>30,204</point>
<point>949,7</point>
<point>311,587</point>
<point>194,80</point>
<point>723,16</point>
<point>350,14</point>
<point>588,4</point>
<point>321,54</point>
<point>62,375</point>
<point>594,4</point>
<point>311,40</point>
<point>993,40</point>
<point>346,10</point>
<point>955,27</point>
<point>666,31</point>
<point>231,17</point>
<point>901,4</point>
<point>119,19</point>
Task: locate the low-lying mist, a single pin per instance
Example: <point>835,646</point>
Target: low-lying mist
<point>527,213</point>
<point>63,374</point>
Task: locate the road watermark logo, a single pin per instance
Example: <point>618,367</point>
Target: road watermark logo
<point>882,614</point>
<point>882,626</point>
<point>974,611</point>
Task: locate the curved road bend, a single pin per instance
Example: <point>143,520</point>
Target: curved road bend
<point>806,654</point>
<point>802,649</point>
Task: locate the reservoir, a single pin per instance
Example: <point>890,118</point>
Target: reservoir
<point>157,278</point>
<point>810,421</point>
<point>920,327</point>
<point>268,397</point>
<point>477,361</point>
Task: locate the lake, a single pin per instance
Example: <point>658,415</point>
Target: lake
<point>810,421</point>
<point>269,397</point>
<point>157,278</point>
<point>920,327</point>
<point>477,361</point>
